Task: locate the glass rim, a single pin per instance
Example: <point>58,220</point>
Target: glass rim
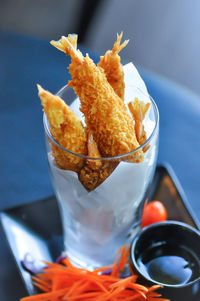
<point>156,112</point>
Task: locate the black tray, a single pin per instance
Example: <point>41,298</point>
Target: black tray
<point>36,228</point>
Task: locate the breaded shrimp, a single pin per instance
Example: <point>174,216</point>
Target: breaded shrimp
<point>113,68</point>
<point>138,110</point>
<point>105,113</point>
<point>67,129</point>
<point>95,172</point>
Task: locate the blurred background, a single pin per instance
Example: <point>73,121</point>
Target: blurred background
<point>164,35</point>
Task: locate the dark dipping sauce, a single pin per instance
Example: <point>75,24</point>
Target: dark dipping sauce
<point>169,264</point>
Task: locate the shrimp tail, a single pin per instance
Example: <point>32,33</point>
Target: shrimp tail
<point>117,47</point>
<point>111,64</point>
<point>69,46</point>
<point>138,110</point>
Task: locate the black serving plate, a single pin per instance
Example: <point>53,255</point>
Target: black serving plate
<point>36,228</point>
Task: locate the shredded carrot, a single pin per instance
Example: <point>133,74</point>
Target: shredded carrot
<point>103,269</point>
<point>119,266</point>
<point>41,287</point>
<point>65,282</point>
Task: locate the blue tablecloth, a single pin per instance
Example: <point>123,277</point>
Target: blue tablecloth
<point>23,165</point>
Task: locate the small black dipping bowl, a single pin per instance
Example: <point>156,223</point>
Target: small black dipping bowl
<point>168,254</point>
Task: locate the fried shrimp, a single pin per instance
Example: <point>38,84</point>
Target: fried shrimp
<point>67,129</point>
<point>138,110</point>
<point>113,68</point>
<point>105,113</point>
<point>95,172</point>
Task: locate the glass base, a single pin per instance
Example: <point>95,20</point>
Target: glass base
<point>103,257</point>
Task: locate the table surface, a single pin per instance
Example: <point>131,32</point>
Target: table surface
<point>26,61</point>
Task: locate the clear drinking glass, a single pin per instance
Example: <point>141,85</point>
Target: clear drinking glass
<point>97,223</point>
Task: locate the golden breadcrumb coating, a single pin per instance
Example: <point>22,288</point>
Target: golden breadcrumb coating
<point>105,113</point>
<point>138,110</point>
<point>91,179</point>
<point>113,68</point>
<point>95,172</point>
<point>67,129</point>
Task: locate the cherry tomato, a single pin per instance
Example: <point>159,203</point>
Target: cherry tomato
<point>153,212</point>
